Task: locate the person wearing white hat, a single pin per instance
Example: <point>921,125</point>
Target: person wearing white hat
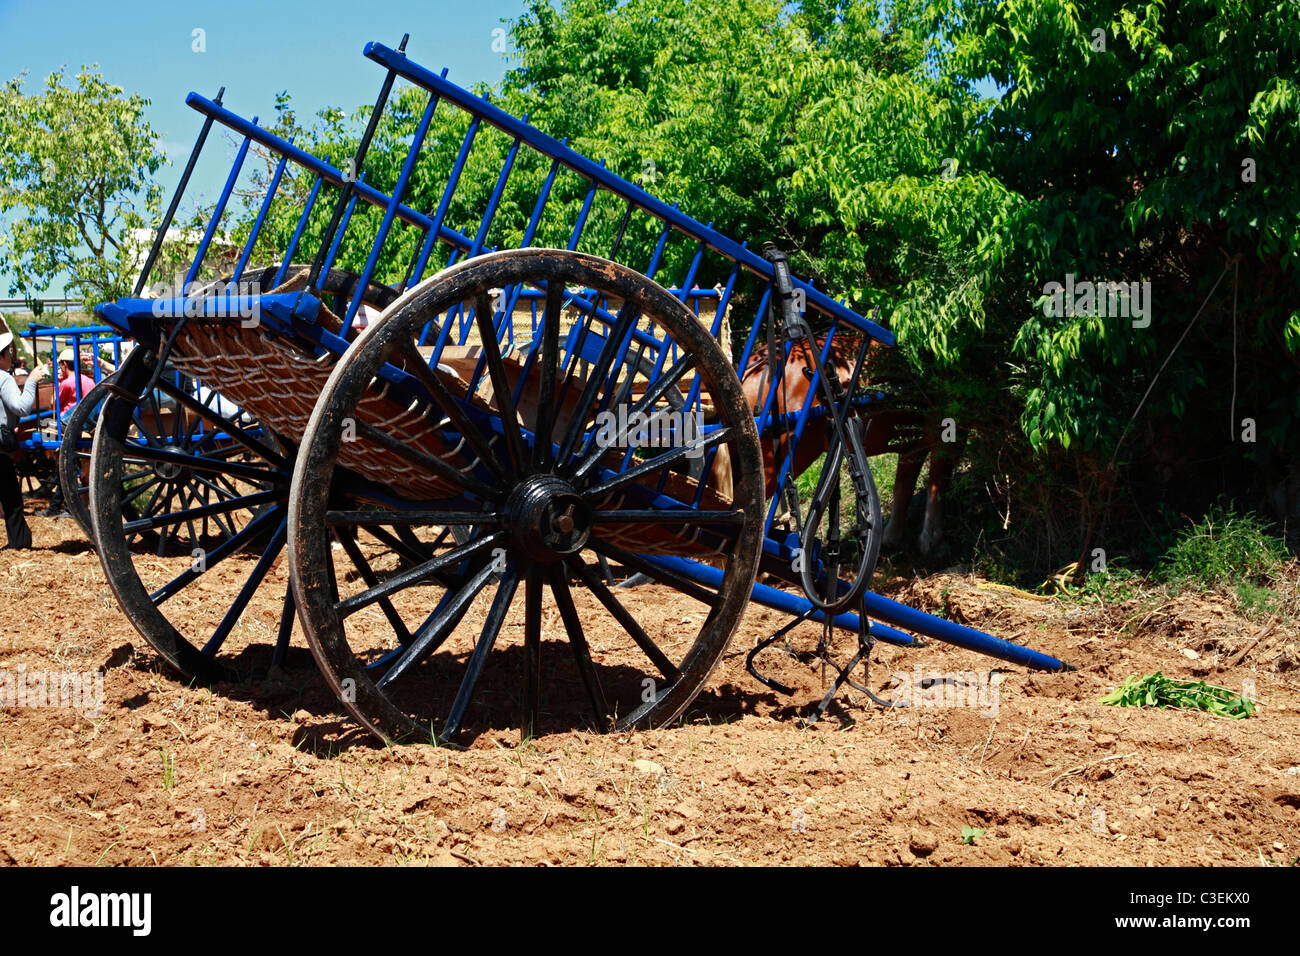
<point>15,402</point>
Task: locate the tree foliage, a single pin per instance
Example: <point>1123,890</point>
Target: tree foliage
<point>1151,141</point>
<point>76,184</point>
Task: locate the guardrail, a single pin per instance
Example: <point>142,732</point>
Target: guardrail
<point>26,304</point>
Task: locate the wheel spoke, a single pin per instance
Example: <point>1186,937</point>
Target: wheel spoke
<point>153,437</point>
<point>658,463</point>
<point>226,425</point>
<point>164,512</point>
<point>627,318</point>
<point>491,628</point>
<point>435,631</point>
<point>255,578</point>
<point>135,492</point>
<point>597,587</point>
<point>581,652</point>
<point>138,453</point>
<point>483,317</point>
<point>411,576</point>
<point>150,508</point>
<point>225,491</point>
<point>655,571</point>
<point>647,401</point>
<point>189,495</point>
<point>285,632</point>
<point>223,507</point>
<point>368,575</point>
<point>399,546</point>
<point>177,421</point>
<point>532,648</point>
<point>544,427</point>
<point>217,555</point>
<point>209,488</point>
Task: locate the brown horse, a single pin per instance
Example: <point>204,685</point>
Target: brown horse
<point>913,434</point>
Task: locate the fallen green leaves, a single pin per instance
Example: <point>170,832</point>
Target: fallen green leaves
<point>1157,690</point>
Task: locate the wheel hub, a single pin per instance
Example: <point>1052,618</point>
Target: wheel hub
<point>548,518</point>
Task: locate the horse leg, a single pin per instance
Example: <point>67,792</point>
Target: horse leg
<point>906,473</point>
<point>941,466</point>
<point>720,479</point>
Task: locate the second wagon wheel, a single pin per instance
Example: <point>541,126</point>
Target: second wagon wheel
<point>534,513</point>
<point>188,503</point>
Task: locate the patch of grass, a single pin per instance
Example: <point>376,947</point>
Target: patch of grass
<point>1157,690</point>
<point>1256,602</point>
<point>882,473</point>
<point>168,768</point>
<point>1224,547</point>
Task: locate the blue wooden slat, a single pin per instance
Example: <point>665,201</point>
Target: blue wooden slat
<point>399,190</point>
<point>297,232</point>
<point>261,218</point>
<point>217,212</point>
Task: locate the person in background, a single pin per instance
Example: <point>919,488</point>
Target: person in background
<point>68,376</point>
<point>15,402</point>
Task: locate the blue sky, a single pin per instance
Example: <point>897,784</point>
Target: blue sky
<point>254,49</point>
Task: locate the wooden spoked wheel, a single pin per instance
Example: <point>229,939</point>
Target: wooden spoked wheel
<point>519,454</point>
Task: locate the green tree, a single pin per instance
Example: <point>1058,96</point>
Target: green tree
<point>76,185</point>
<point>1152,142</point>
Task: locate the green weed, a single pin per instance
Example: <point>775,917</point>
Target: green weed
<point>1222,548</point>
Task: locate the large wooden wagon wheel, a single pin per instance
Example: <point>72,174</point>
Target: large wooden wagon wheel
<point>174,498</point>
<point>533,514</point>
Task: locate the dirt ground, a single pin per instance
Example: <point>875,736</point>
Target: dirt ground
<point>271,771</point>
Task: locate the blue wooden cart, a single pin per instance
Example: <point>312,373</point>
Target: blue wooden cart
<point>536,407</point>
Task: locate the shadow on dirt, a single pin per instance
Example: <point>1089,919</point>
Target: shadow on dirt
<point>296,695</point>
